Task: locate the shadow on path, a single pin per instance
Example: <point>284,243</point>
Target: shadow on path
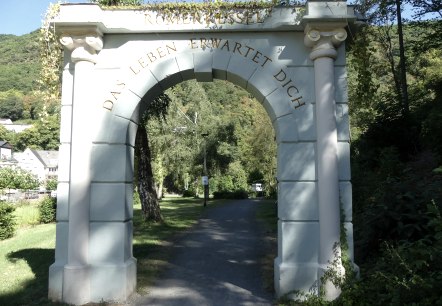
<point>216,263</point>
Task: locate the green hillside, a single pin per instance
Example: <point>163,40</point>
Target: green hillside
<point>19,62</point>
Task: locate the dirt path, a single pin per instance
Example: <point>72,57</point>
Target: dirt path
<point>217,263</point>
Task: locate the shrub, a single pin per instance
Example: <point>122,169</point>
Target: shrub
<point>189,194</point>
<point>237,194</point>
<point>47,209</point>
<point>7,220</point>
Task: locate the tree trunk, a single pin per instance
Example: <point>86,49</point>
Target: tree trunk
<point>402,64</point>
<point>146,184</point>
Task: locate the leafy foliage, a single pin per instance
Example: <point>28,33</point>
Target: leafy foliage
<point>19,63</point>
<point>7,220</point>
<point>17,178</point>
<point>47,209</point>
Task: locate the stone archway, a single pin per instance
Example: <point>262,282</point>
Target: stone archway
<point>114,58</point>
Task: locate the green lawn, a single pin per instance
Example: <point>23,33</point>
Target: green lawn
<point>25,258</point>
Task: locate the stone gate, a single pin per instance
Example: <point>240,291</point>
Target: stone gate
<point>291,60</point>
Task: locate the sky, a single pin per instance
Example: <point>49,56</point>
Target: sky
<point>20,17</point>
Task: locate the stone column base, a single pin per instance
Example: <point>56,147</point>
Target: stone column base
<point>296,280</point>
<point>95,283</point>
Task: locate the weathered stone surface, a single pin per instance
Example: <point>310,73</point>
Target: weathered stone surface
<point>116,58</point>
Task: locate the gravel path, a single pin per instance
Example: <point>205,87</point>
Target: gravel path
<point>216,263</point>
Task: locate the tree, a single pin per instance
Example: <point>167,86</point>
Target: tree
<point>17,178</point>
<point>43,135</point>
<point>157,108</point>
<point>11,104</point>
<point>145,180</point>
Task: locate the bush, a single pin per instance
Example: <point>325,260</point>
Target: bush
<point>237,194</point>
<point>47,209</point>
<point>7,220</point>
<point>189,194</point>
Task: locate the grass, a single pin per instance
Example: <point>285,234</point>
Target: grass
<point>26,213</point>
<point>153,242</point>
<point>267,215</point>
<point>24,264</point>
<point>26,257</point>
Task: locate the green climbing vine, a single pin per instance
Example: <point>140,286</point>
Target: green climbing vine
<point>51,58</point>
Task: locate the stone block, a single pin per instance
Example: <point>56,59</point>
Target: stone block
<point>67,87</point>
<point>108,242</point>
<point>61,241</point>
<point>65,123</point>
<point>220,63</point>
<point>139,85</point>
<point>113,283</point>
<point>286,129</point>
<point>186,66</point>
<point>55,282</point>
<point>342,122</point>
<point>240,70</point>
<point>300,277</point>
<point>297,201</point>
<point>111,202</point>
<point>167,73</point>
<point>113,129</point>
<point>296,162</point>
<point>203,66</point>
<point>261,85</point>
<point>112,163</point>
<point>63,201</point>
<point>341,87</point>
<point>344,161</point>
<point>127,105</point>
<point>64,162</point>
<point>76,284</point>
<point>298,242</point>
<point>304,79</point>
<point>345,197</point>
<point>349,235</point>
<point>277,104</point>
<point>305,119</point>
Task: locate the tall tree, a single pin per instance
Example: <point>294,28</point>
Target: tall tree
<point>157,108</point>
<point>145,180</point>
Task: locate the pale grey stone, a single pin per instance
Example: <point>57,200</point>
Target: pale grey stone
<point>289,166</point>
<point>63,201</point>
<point>343,122</point>
<point>286,129</point>
<point>203,66</point>
<point>297,201</point>
<point>299,242</point>
<point>111,202</point>
<point>344,161</point>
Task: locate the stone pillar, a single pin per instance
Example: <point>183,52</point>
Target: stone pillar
<point>69,276</point>
<point>323,39</point>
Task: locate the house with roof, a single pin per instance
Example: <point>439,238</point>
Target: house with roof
<point>43,164</point>
<point>5,150</point>
<point>16,128</point>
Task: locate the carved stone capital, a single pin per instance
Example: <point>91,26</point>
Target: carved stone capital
<point>84,47</point>
<point>324,41</point>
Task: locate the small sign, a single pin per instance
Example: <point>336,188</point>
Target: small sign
<point>205,180</point>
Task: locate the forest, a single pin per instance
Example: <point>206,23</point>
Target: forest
<point>395,94</point>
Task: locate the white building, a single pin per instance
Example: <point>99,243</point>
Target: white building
<point>16,128</point>
<point>5,150</point>
<point>43,164</point>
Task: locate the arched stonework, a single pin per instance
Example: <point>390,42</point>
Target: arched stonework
<point>296,70</point>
